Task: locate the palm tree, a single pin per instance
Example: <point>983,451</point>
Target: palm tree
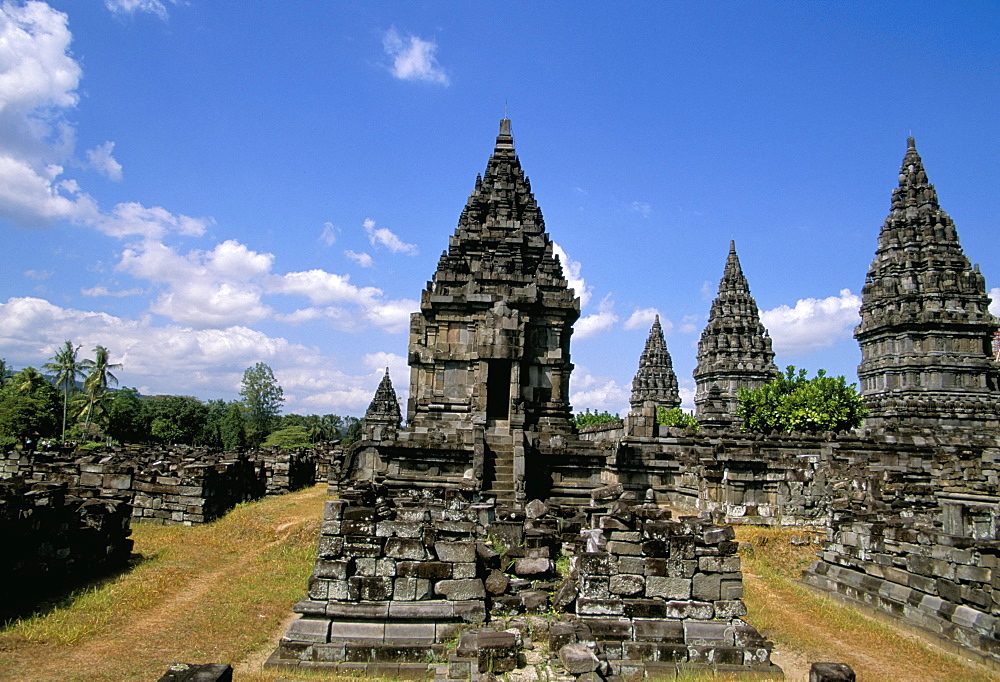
<point>28,380</point>
<point>67,369</point>
<point>97,381</point>
<point>6,372</point>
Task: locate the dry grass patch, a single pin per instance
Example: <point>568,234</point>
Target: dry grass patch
<point>210,593</point>
<point>817,628</point>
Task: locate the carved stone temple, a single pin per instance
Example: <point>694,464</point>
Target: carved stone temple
<point>488,351</point>
<point>448,528</point>
<point>734,350</point>
<point>926,329</point>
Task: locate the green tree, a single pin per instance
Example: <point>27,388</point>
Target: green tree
<point>262,397</point>
<point>675,416</point>
<point>128,417</point>
<point>289,437</point>
<point>29,408</point>
<point>6,372</point>
<point>588,418</point>
<point>352,430</point>
<point>233,429</point>
<point>794,403</point>
<point>99,377</point>
<point>67,370</point>
<point>176,418</point>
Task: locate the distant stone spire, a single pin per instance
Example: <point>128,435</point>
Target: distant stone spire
<point>382,420</point>
<point>925,329</point>
<point>735,349</point>
<point>655,381</point>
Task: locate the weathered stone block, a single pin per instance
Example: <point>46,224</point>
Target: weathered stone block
<point>309,630</point>
<point>364,588</point>
<point>689,609</point>
<point>831,672</point>
<point>645,608</point>
<point>458,590</point>
<point>627,585</point>
<point>578,659</point>
<point>599,607</point>
<point>668,588</point>
<point>706,587</point>
<point>455,552</point>
<point>719,564</point>
<point>406,548</point>
<point>533,567</point>
<point>629,548</point>
<point>336,569</point>
<point>730,609</point>
<point>597,563</point>
<point>411,589</point>
<point>595,587</point>
<point>496,582</point>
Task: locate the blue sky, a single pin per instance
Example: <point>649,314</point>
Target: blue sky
<point>199,187</point>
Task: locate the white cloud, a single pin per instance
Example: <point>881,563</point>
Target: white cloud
<point>413,58</point>
<point>597,393</point>
<point>687,397</point>
<point>362,259</point>
<point>571,271</point>
<point>392,316</point>
<point>104,291</point>
<point>995,304</point>
<point>643,319</point>
<point>38,274</point>
<point>184,361</point>
<point>133,219</point>
<point>689,324</point>
<point>599,322</point>
<point>130,7</point>
<point>323,287</point>
<point>329,234</point>
<point>387,238</point>
<point>38,83</point>
<point>813,323</point>
<point>642,208</point>
<point>100,159</point>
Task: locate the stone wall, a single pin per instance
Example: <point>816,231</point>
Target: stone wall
<point>55,540</point>
<point>945,582</point>
<point>399,581</point>
<point>170,486</point>
<point>802,479</point>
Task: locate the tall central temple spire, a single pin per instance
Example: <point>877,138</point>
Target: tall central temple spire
<point>490,345</point>
<point>735,350</point>
<point>925,327</point>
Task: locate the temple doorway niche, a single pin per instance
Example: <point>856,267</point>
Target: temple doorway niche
<point>498,390</point>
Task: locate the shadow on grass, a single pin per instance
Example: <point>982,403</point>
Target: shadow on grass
<point>41,595</point>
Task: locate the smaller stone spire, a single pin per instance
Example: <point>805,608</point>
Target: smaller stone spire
<point>382,420</point>
<point>735,350</point>
<point>655,381</point>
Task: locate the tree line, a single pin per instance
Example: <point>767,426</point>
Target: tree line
<point>74,401</point>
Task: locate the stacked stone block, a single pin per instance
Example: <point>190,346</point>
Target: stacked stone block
<point>944,583</point>
<point>169,486</point>
<point>664,593</point>
<point>55,540</point>
<point>393,580</point>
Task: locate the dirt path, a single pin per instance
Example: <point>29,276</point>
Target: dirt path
<point>155,634</point>
<point>870,662</point>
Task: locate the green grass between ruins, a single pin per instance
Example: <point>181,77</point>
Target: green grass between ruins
<point>222,591</point>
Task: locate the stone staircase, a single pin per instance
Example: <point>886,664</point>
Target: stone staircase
<point>499,465</point>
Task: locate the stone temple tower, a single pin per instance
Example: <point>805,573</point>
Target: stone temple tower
<point>654,385</point>
<point>925,329</point>
<point>490,344</point>
<point>488,407</point>
<point>734,350</point>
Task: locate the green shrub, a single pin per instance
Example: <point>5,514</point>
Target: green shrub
<point>675,416</point>
<point>794,403</point>
<point>588,418</point>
